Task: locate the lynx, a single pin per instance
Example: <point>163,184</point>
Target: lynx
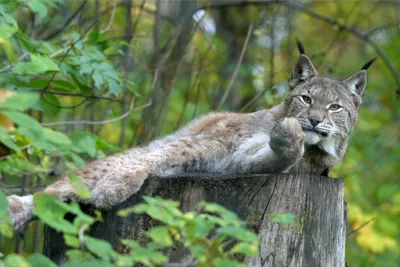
<point>306,133</point>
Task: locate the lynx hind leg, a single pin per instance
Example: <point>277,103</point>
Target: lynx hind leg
<point>114,190</point>
<point>20,210</point>
<point>287,138</point>
<point>62,190</point>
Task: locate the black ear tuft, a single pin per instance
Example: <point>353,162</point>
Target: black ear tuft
<point>368,64</point>
<point>300,47</point>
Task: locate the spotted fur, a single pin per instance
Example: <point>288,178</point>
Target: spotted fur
<point>307,132</point>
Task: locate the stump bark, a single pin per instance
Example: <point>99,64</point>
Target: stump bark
<point>318,239</point>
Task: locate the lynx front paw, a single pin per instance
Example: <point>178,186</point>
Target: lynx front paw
<point>287,138</point>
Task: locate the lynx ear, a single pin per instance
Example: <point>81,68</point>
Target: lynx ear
<point>356,83</point>
<point>303,71</point>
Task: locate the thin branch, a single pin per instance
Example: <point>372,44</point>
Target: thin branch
<point>64,107</point>
<point>383,27</point>
<point>81,95</point>
<point>356,32</point>
<point>66,23</point>
<point>81,235</point>
<point>341,26</point>
<point>111,19</point>
<point>360,227</point>
<point>9,66</point>
<point>235,72</point>
<point>65,56</point>
<point>84,122</point>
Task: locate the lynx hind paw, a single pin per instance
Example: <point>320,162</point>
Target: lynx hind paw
<point>20,210</point>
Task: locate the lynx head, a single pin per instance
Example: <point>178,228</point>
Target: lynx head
<point>326,108</point>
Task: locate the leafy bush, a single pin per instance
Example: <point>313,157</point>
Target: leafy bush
<point>212,236</point>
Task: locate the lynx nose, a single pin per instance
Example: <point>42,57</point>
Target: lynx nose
<point>314,121</point>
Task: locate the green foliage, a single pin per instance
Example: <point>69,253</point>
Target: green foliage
<point>206,234</point>
<point>5,220</point>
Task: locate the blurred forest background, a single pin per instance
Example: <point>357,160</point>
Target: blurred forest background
<point>112,74</point>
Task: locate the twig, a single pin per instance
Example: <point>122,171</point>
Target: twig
<point>81,235</point>
<point>255,99</point>
<point>64,107</point>
<point>235,72</point>
<point>65,55</point>
<point>360,227</point>
<point>66,23</point>
<point>362,36</point>
<point>111,19</point>
<point>85,122</point>
<point>81,95</point>
<point>9,66</point>
<point>194,83</point>
<point>291,4</point>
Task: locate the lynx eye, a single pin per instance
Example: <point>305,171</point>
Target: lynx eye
<point>334,107</point>
<point>306,99</point>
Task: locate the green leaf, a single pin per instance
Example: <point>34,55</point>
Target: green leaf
<point>84,143</point>
<point>77,255</point>
<point>160,235</point>
<point>6,140</point>
<point>198,228</point>
<point>245,248</point>
<point>144,255</point>
<point>285,218</point>
<point>57,138</point>
<point>71,241</point>
<point>20,101</point>
<point>87,263</point>
<point>80,162</point>
<point>52,211</point>
<point>126,212</point>
<point>40,260</point>
<point>3,203</point>
<point>218,262</point>
<point>99,247</point>
<point>14,260</point>
<point>37,6</point>
<point>8,48</point>
<point>160,209</point>
<point>23,120</point>
<point>5,221</point>
<point>7,31</point>
<point>239,233</point>
<point>229,216</point>
<point>39,64</point>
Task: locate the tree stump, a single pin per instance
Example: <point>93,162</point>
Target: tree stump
<point>318,239</point>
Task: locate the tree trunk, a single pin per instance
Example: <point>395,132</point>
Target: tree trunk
<point>317,240</point>
<point>154,117</point>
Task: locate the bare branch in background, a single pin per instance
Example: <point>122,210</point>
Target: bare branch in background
<point>356,32</point>
<point>360,227</point>
<point>235,72</point>
<point>58,30</point>
<point>110,22</point>
<point>65,55</point>
<point>131,109</point>
<point>194,83</point>
<point>302,8</point>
